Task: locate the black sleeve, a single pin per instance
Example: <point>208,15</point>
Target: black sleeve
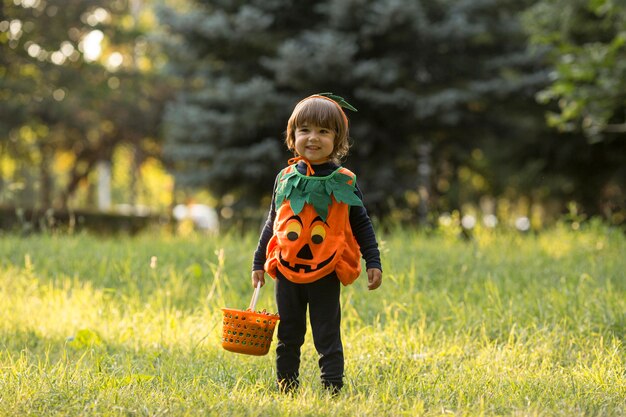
<point>266,234</point>
<point>364,233</point>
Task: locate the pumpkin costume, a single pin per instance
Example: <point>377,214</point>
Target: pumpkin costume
<point>312,233</point>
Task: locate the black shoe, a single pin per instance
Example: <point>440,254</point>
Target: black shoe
<point>333,387</point>
<point>287,385</point>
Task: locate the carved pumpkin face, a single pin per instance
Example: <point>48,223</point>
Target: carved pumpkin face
<point>309,247</point>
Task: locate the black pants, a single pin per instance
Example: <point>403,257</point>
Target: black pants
<point>322,297</point>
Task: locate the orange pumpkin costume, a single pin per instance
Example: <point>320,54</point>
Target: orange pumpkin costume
<point>312,233</point>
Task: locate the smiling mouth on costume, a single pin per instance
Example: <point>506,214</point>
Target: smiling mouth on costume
<point>307,268</point>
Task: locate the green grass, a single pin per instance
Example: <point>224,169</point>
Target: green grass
<point>501,325</point>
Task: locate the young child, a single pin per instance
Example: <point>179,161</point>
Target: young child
<point>316,231</point>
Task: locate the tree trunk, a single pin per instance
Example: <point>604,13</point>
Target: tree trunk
<point>75,179</point>
<point>104,185</point>
<point>45,178</point>
<point>424,170</point>
<point>135,163</point>
<point>2,176</point>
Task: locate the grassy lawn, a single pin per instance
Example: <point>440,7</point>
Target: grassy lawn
<point>503,324</point>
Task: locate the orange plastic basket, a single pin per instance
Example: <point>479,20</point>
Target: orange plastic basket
<point>247,331</point>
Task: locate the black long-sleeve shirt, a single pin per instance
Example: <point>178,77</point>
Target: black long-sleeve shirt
<point>359,222</point>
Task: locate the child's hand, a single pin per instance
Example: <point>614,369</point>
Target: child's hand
<point>258,276</point>
<point>374,278</point>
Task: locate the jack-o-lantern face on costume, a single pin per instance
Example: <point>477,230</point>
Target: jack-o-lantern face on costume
<point>309,248</point>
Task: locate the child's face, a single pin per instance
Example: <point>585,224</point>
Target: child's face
<point>314,143</point>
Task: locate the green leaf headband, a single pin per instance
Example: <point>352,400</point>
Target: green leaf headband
<point>339,100</point>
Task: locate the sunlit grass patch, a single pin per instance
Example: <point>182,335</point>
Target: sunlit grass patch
<point>504,324</point>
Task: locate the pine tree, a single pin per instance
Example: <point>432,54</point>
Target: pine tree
<point>419,72</point>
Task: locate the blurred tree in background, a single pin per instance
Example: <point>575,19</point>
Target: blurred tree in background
<point>588,50</point>
<point>77,82</point>
<point>223,130</point>
<point>432,81</point>
<point>587,56</point>
<point>513,108</point>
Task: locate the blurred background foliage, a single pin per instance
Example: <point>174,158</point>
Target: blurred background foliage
<point>468,109</point>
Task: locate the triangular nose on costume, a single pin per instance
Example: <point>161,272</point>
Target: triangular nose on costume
<point>305,253</point>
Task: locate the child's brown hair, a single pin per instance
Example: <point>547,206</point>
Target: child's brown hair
<point>323,112</point>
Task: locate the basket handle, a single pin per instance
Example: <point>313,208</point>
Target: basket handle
<point>255,297</point>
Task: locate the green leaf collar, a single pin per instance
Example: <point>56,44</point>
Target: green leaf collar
<point>300,190</point>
